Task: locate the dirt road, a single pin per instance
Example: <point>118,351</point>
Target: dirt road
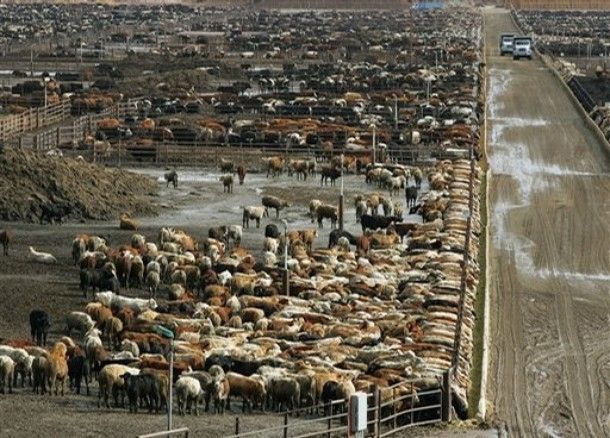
<point>550,253</point>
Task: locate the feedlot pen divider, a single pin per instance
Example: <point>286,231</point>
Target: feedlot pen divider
<point>184,154</point>
<point>34,118</point>
<point>17,133</point>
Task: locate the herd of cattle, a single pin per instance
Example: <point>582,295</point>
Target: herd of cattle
<point>417,87</point>
<point>377,309</point>
<point>567,36</point>
<point>568,33</point>
<point>390,306</point>
<point>416,83</point>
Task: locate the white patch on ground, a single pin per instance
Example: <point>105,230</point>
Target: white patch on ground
<point>548,430</point>
<point>531,177</point>
<point>576,276</point>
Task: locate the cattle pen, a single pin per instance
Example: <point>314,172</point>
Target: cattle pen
<point>152,178</point>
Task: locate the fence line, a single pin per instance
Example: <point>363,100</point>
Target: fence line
<point>167,433</point>
<point>33,118</point>
<point>581,94</point>
<point>69,134</point>
<point>385,418</point>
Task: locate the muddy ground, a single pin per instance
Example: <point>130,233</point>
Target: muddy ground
<point>549,260</point>
<point>197,204</point>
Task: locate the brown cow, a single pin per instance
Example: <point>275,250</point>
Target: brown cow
<point>57,367</point>
<point>274,166</point>
<point>402,229</point>
<point>252,391</point>
<point>241,173</point>
<point>6,237</point>
<point>300,167</point>
<point>127,223</point>
<point>227,183</point>
<point>362,245</point>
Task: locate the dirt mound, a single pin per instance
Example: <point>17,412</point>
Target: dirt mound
<point>36,187</point>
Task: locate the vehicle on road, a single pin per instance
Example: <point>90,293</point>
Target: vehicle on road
<point>522,47</point>
<point>506,43</point>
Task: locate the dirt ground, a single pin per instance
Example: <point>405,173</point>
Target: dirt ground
<point>550,259</point>
<point>197,204</point>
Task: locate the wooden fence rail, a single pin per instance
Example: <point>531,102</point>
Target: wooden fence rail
<point>35,118</point>
<point>71,132</point>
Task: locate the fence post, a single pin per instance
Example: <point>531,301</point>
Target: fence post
<point>412,412</point>
<point>376,413</point>
<point>341,212</point>
<point>286,280</point>
<point>286,425</point>
<point>446,398</point>
<point>330,419</point>
<point>394,406</point>
<point>236,426</point>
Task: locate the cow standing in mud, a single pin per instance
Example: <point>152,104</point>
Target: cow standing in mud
<point>6,237</point>
<point>171,177</point>
<point>411,196</point>
<point>241,174</point>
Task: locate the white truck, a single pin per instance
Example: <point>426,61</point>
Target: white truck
<point>522,47</point>
<point>506,43</point>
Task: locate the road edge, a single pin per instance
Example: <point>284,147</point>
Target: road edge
<point>482,404</point>
<point>586,116</point>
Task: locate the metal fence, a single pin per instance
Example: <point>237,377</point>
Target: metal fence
<point>172,154</point>
<point>389,411</point>
<point>581,94</point>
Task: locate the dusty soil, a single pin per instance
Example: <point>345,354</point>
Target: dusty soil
<point>77,190</point>
<point>197,204</point>
<point>550,264</point>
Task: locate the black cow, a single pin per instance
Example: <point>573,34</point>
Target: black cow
<point>329,173</point>
<point>218,233</point>
<point>89,279</point>
<point>39,325</point>
<point>225,362</point>
<point>109,282</point>
<point>171,177</point>
<point>331,391</point>
<point>335,235</point>
<point>272,230</point>
<point>245,367</point>
<point>98,279</point>
<point>414,209</point>
<point>373,222</point>
<point>78,369</point>
<point>411,195</point>
<point>142,389</point>
<point>53,213</point>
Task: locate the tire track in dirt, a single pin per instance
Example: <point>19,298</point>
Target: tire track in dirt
<point>576,380</point>
<point>549,254</point>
